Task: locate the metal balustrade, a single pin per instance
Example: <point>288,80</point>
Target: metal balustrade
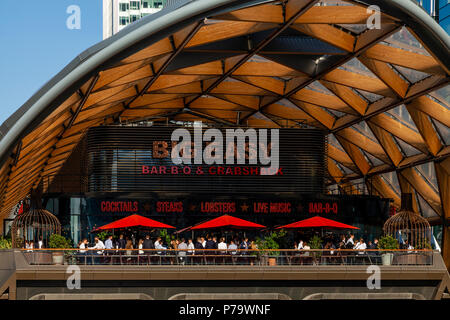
<point>277,257</point>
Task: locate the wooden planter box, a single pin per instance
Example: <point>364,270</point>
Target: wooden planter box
<point>412,259</point>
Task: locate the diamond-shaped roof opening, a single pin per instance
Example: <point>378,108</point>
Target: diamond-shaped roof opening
<point>355,28</point>
<point>443,130</point>
<point>392,179</point>
<point>425,209</point>
<point>428,173</point>
<point>356,66</point>
<point>411,75</point>
<point>369,96</point>
<point>403,39</point>
<point>402,115</point>
<point>407,149</point>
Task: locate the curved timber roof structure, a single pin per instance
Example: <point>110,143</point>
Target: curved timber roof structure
<point>382,93</point>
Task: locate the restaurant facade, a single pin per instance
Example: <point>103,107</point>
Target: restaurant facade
<point>117,171</point>
<point>359,98</point>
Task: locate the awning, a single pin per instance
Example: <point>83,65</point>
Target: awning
<point>135,220</point>
<point>227,221</point>
<point>317,222</point>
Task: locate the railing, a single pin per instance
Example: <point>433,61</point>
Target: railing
<point>352,188</point>
<point>283,257</point>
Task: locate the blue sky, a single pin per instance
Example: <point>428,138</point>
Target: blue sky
<point>36,44</point>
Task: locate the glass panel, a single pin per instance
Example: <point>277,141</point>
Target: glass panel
<point>402,115</point>
<point>426,170</point>
<point>318,87</point>
<point>425,209</point>
<point>355,28</point>
<point>407,149</point>
<point>442,96</point>
<point>334,142</point>
<point>406,41</point>
<point>372,159</point>
<point>411,75</point>
<point>356,66</point>
<point>371,97</point>
<point>391,179</point>
<point>364,129</point>
<point>444,131</point>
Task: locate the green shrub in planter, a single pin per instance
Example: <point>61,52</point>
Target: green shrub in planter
<point>316,243</point>
<point>271,242</point>
<point>388,243</point>
<point>58,242</point>
<point>5,243</point>
<point>104,235</point>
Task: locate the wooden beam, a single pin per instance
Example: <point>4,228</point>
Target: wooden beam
<point>400,130</point>
<point>328,34</point>
<point>386,74</point>
<point>359,81</point>
<point>431,108</point>
<point>271,13</point>
<point>421,186</point>
<point>407,59</point>
<point>387,142</point>
<point>442,169</point>
<point>323,117</point>
<point>363,143</point>
<point>426,129</point>
<point>356,155</point>
<point>303,7</point>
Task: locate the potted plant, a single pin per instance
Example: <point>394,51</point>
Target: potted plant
<point>271,243</point>
<point>58,242</point>
<point>5,243</point>
<point>316,243</point>
<point>104,235</point>
<point>387,243</point>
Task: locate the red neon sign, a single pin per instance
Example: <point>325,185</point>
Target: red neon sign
<point>119,206</point>
<point>319,207</point>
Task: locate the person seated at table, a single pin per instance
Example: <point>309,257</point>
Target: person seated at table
<point>203,241</point>
<point>141,246</point>
<point>232,247</point>
<point>350,243</point>
<point>191,251</point>
<point>99,246</point>
<point>328,246</point>
<point>109,245</point>
<point>148,243</point>
<point>121,243</point>
<point>129,250</point>
<point>300,245</point>
<point>222,246</point>
<point>245,245</point>
<point>182,247</point>
<point>160,246</point>
<point>361,245</point>
<point>198,245</point>
<point>83,246</point>
<point>210,244</point>
<point>305,250</point>
<point>216,244</point>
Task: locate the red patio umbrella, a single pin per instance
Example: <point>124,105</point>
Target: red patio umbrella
<point>317,222</point>
<point>135,220</point>
<point>227,221</point>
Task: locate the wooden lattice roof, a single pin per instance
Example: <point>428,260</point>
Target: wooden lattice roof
<point>382,94</point>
